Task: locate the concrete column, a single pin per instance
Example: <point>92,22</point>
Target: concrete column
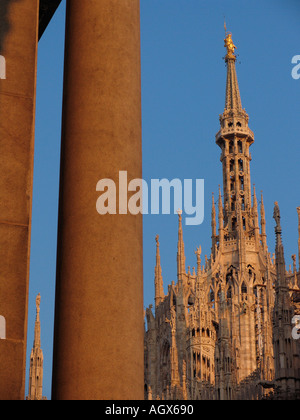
<point>18,46</point>
<point>99,329</point>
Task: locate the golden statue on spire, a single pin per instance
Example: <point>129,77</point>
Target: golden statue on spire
<point>229,44</point>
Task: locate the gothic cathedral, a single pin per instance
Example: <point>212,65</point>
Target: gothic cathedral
<point>224,331</point>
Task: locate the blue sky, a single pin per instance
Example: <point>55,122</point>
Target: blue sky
<point>183,93</point>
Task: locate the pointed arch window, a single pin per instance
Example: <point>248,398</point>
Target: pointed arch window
<point>229,276</point>
<point>233,223</point>
<point>243,204</point>
<point>232,165</point>
<point>212,297</point>
<point>244,288</point>
<point>242,183</point>
<point>240,146</point>
<point>219,294</point>
<point>229,292</point>
<point>244,223</point>
<point>251,274</point>
<point>241,165</point>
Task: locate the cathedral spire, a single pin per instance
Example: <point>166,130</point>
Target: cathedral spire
<point>180,249</point>
<point>213,225</point>
<point>286,352</point>
<point>255,204</point>
<point>221,219</point>
<point>36,360</point>
<point>159,289</point>
<point>213,218</point>
<point>236,329</point>
<point>235,139</point>
<point>37,329</point>
<point>280,260</point>
<point>255,216</point>
<point>198,254</point>
<point>263,223</point>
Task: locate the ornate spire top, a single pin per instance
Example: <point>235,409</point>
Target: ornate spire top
<point>157,240</point>
<point>281,280</point>
<point>221,213</point>
<point>263,222</point>
<point>277,218</point>
<point>37,329</point>
<point>198,254</point>
<point>233,96</point>
<point>298,211</point>
<point>229,44</point>
<point>157,250</point>
<point>230,47</point>
<point>36,359</point>
<point>157,253</point>
<point>213,211</point>
<point>234,120</point>
<point>262,209</point>
<point>159,288</point>
<point>38,303</point>
<point>255,205</point>
<point>179,212</point>
<point>180,248</point>
<point>213,217</point>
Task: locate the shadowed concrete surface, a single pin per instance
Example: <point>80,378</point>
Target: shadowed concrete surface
<point>98,351</point>
<point>47,9</point>
<point>4,20</point>
<point>18,44</point>
<point>19,26</point>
